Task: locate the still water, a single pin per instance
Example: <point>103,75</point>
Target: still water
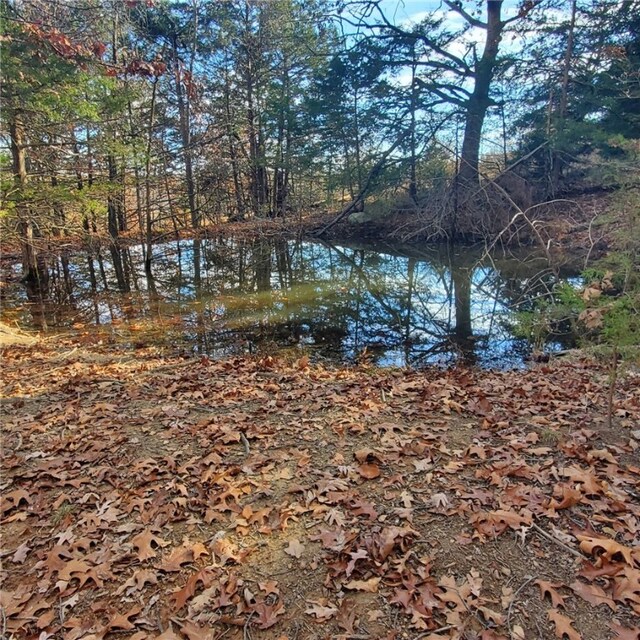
<point>388,305</point>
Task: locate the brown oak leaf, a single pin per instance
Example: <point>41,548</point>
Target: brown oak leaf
<point>593,594</point>
<point>139,581</point>
<point>370,585</point>
<point>121,621</point>
<point>563,625</point>
<point>13,500</point>
<point>144,543</point>
<point>624,633</point>
<point>21,553</point>
<point>295,548</point>
<point>268,613</point>
<point>359,554</point>
<point>169,634</point>
<point>610,548</point>
<point>321,611</point>
<point>369,471</point>
<point>178,557</point>
<point>550,588</point>
<point>195,632</point>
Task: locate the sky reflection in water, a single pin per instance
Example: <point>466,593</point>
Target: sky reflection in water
<point>392,306</point>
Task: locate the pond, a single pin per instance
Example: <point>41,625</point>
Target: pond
<point>384,304</point>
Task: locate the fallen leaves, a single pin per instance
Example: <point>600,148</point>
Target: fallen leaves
<point>144,544</point>
<point>593,594</point>
<point>494,523</point>
<point>321,611</point>
<point>563,626</point>
<point>267,615</point>
<point>370,585</point>
<point>21,553</point>
<point>13,500</point>
<point>608,549</point>
<point>138,581</point>
<point>150,496</point>
<point>551,589</point>
<point>295,549</point>
<point>122,622</point>
<point>625,633</point>
<point>369,471</point>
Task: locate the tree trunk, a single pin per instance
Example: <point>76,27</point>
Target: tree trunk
<point>463,333</point>
<point>118,267</point>
<point>185,134</point>
<point>479,102</point>
<point>59,225</point>
<point>278,188</point>
<point>136,169</point>
<point>147,183</point>
<point>262,264</point>
<point>287,180</point>
<point>237,185</point>
<point>88,225</point>
<point>167,186</point>
<point>556,160</point>
<point>413,181</point>
<point>34,269</point>
<point>254,177</point>
<point>114,201</point>
<point>258,177</point>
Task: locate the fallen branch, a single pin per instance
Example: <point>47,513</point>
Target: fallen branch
<point>174,365</point>
<point>245,442</point>
<point>439,630</point>
<point>373,174</point>
<point>558,542</point>
<point>515,595</point>
<point>246,635</point>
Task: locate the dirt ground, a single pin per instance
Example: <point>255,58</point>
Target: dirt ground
<point>146,496</point>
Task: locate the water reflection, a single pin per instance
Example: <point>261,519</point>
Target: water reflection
<point>389,306</point>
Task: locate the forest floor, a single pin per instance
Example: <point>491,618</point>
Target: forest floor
<point>145,496</point>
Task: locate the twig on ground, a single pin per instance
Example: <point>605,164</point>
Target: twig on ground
<point>515,595</point>
<point>245,630</point>
<point>245,442</point>
<point>591,241</point>
<point>174,365</point>
<point>62,356</point>
<point>440,630</point>
<point>555,540</point>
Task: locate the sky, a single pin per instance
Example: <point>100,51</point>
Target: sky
<point>415,10</point>
<point>407,12</point>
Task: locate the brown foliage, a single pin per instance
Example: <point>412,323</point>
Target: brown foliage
<point>131,504</point>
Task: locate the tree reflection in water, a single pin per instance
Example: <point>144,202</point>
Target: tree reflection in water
<point>390,305</point>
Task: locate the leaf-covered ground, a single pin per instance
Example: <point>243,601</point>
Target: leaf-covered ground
<point>150,497</point>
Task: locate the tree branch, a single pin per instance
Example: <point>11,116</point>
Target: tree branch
<point>430,43</point>
<point>457,7</point>
<point>525,10</point>
<point>373,174</point>
<point>440,92</point>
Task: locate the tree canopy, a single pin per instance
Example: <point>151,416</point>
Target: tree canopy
<point>147,115</point>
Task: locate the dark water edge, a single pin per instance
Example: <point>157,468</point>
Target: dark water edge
<point>387,304</point>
